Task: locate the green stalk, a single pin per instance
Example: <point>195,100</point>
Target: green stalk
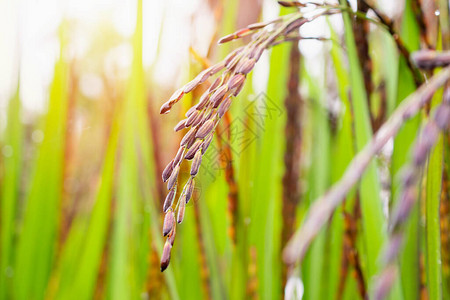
<point>313,268</point>
<point>36,246</point>
<point>433,229</point>
<point>83,283</point>
<point>266,216</point>
<point>373,221</point>
<point>409,255</point>
<point>342,147</point>
<point>9,193</point>
<point>129,236</point>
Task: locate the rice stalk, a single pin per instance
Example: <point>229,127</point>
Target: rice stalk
<point>420,19</point>
<point>350,256</point>
<point>12,167</point>
<point>361,30</point>
<point>33,269</point>
<point>154,282</point>
<point>202,260</point>
<point>444,217</point>
<point>400,43</point>
<point>291,186</point>
<point>233,189</point>
<point>68,209</point>
<point>403,142</point>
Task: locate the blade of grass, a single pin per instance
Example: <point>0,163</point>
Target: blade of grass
<point>409,257</point>
<point>236,276</point>
<point>129,219</point>
<point>444,21</point>
<point>245,168</point>
<point>67,263</point>
<point>10,193</point>
<point>342,148</point>
<point>188,250</point>
<point>83,283</point>
<point>373,221</point>
<point>432,202</point>
<point>146,207</point>
<point>217,287</point>
<point>269,171</point>
<point>36,246</point>
<point>313,267</point>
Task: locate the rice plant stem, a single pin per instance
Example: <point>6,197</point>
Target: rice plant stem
<point>291,186</point>
<point>233,189</point>
<point>323,208</point>
<point>386,21</point>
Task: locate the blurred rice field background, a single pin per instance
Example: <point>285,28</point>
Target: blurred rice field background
<point>83,146</point>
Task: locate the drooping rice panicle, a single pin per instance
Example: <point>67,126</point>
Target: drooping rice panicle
<point>438,123</point>
<point>203,117</point>
<point>325,206</point>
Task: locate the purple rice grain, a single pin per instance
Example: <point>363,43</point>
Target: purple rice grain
<point>224,107</point>
<point>169,199</point>
<point>178,156</point>
<point>191,152</point>
<point>188,136</point>
<point>180,126</point>
<point>165,257</point>
<point>206,143</point>
<point>192,118</point>
<point>173,178</point>
<point>167,171</point>
<point>206,128</point>
<point>235,81</point>
<point>181,209</point>
<point>196,162</point>
<point>169,220</point>
<point>189,189</point>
